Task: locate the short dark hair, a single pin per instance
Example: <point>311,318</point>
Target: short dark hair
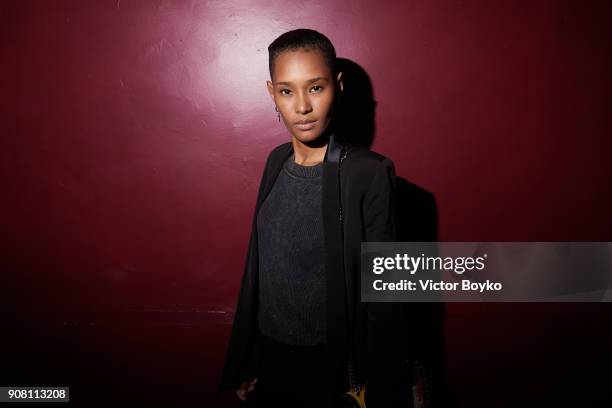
<point>302,38</point>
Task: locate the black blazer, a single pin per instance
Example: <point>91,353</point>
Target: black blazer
<point>365,187</point>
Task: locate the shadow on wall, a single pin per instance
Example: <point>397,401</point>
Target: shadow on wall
<point>423,323</point>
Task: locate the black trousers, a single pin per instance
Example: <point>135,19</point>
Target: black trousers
<point>292,376</point>
<point>297,377</point>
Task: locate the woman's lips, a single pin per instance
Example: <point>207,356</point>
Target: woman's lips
<point>306,126</point>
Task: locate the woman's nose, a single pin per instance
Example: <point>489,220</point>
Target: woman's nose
<point>303,105</point>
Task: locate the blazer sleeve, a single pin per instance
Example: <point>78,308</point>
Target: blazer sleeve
<point>388,360</point>
<point>379,204</point>
<point>238,367</point>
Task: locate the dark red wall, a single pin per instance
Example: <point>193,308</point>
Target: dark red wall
<point>134,134</point>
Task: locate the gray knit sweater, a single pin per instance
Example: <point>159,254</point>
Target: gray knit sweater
<point>292,290</point>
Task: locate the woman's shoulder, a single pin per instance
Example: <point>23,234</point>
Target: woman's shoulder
<point>279,151</point>
<point>368,159</point>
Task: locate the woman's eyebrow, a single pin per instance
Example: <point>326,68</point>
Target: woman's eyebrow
<point>309,81</point>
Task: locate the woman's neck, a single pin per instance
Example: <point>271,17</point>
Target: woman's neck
<point>308,155</point>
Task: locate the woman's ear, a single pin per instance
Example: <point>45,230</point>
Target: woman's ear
<point>270,89</point>
<point>340,81</point>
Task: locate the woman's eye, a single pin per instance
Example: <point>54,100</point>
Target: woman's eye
<point>317,88</point>
<point>285,91</point>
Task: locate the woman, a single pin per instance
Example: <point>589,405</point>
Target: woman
<point>300,327</point>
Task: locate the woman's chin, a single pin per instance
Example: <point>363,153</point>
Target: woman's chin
<point>308,137</point>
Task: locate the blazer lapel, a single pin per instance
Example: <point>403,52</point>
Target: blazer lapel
<point>337,328</point>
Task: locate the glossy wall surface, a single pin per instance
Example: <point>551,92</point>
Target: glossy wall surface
<point>134,133</point>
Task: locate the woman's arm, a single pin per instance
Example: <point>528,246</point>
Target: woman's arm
<point>390,381</point>
<point>236,371</point>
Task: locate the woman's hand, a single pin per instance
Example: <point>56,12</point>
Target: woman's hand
<point>245,388</point>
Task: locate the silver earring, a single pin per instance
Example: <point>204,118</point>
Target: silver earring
<point>276,109</point>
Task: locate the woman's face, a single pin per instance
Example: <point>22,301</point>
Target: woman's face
<point>303,89</point>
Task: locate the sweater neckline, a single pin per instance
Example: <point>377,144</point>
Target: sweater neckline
<point>299,170</point>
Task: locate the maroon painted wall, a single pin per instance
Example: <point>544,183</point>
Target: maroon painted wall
<point>134,134</point>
